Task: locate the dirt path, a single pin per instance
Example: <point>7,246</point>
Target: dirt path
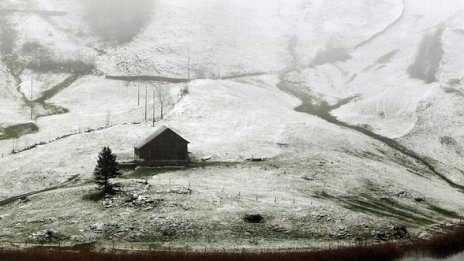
<point>15,198</point>
<point>375,36</point>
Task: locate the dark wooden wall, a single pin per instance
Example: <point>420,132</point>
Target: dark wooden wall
<point>168,146</point>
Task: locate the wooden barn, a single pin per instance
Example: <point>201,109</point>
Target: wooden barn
<point>163,147</point>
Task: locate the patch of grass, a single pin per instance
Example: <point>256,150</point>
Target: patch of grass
<point>390,208</point>
<point>48,108</point>
<point>448,141</point>
<point>383,207</point>
<point>386,208</point>
<point>18,130</point>
<point>147,172</point>
<point>48,94</point>
<point>365,155</point>
<point>322,194</point>
<point>155,246</point>
<point>444,212</point>
<point>94,196</point>
<point>206,164</point>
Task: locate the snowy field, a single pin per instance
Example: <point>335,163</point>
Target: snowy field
<point>400,60</point>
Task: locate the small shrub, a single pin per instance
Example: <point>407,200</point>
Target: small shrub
<point>253,218</point>
<point>447,141</point>
<point>185,91</point>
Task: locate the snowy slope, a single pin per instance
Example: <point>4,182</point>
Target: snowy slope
<point>378,71</point>
<point>312,162</point>
<point>401,61</point>
<point>233,37</point>
<point>224,38</point>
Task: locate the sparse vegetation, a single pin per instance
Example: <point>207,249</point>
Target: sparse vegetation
<point>448,141</point>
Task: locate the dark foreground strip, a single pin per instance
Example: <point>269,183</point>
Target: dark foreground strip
<point>441,246</point>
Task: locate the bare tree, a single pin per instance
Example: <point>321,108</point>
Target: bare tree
<point>162,94</point>
<point>146,101</point>
<point>153,103</point>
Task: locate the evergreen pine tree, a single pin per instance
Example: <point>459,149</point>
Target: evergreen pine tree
<point>107,168</point>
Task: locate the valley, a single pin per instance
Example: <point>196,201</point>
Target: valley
<point>354,108</point>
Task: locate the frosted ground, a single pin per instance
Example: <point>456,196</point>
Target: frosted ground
<point>321,183</point>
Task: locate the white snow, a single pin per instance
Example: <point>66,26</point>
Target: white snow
<point>229,121</point>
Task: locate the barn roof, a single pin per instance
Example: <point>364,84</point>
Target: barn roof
<point>153,136</point>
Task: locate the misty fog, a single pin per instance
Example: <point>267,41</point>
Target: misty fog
<point>117,20</point>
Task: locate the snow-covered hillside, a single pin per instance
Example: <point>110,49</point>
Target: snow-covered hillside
<point>377,141</point>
